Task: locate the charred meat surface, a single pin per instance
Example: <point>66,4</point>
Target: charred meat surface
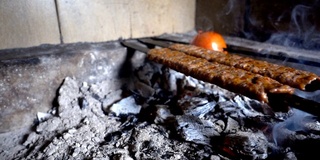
<point>234,79</point>
<point>295,78</point>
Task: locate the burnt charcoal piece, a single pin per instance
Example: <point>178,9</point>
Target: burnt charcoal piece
<point>196,106</point>
<point>196,130</point>
<point>236,80</point>
<point>83,103</point>
<point>232,126</point>
<point>114,136</point>
<point>247,145</point>
<point>286,75</point>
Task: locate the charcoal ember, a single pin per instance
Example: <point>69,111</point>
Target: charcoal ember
<point>143,89</point>
<point>245,103</point>
<point>232,126</point>
<point>219,124</point>
<point>145,74</point>
<point>163,114</point>
<point>174,80</point>
<point>196,106</point>
<point>196,130</point>
<point>261,107</point>
<point>201,111</point>
<point>110,98</point>
<point>125,106</point>
<point>146,81</point>
<point>238,107</point>
<point>248,145</point>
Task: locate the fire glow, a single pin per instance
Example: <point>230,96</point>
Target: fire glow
<point>210,40</point>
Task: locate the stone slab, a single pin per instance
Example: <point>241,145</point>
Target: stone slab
<point>28,23</point>
<point>102,20</point>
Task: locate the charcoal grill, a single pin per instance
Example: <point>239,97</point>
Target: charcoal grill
<point>107,101</point>
<point>186,120</point>
<point>299,99</point>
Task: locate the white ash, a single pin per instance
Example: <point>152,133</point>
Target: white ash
<point>78,132</point>
<point>160,114</point>
<point>125,106</point>
<point>43,116</point>
<point>74,132</point>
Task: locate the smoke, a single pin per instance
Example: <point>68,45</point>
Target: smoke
<point>229,7</point>
<point>302,31</point>
<point>299,18</point>
<point>315,96</point>
<point>292,24</point>
<point>289,23</point>
<point>297,122</point>
<point>205,24</point>
<point>251,24</point>
<point>211,15</point>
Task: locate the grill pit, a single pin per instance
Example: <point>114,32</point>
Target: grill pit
<point>156,112</point>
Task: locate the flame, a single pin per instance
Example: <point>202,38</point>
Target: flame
<point>215,46</point>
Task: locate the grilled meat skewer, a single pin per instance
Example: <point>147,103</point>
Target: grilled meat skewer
<point>295,78</point>
<point>278,96</point>
<point>237,80</point>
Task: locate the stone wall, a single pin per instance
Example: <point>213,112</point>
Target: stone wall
<point>31,23</point>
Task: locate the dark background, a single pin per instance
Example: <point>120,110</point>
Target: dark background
<point>294,23</point>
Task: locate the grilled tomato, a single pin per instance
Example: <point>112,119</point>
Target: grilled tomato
<point>209,40</point>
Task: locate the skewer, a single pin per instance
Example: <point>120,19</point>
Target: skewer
<point>277,95</point>
<point>286,75</point>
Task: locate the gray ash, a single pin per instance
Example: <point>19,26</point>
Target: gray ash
<point>163,114</point>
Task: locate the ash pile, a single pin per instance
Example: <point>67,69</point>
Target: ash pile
<point>163,114</point>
